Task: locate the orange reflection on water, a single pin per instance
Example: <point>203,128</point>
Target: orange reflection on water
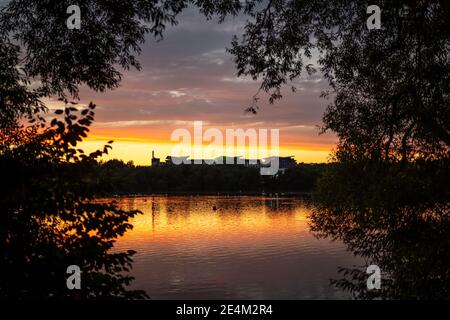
<point>218,247</point>
<point>236,221</point>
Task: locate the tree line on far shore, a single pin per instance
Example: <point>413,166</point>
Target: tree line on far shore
<point>120,178</point>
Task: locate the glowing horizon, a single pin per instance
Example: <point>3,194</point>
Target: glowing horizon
<point>139,150</point>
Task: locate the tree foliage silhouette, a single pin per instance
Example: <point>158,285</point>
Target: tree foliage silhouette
<point>390,87</point>
<point>49,217</point>
<point>394,217</point>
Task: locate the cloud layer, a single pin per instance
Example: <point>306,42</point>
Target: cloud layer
<point>189,76</point>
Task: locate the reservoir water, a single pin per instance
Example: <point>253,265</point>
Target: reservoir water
<point>230,247</point>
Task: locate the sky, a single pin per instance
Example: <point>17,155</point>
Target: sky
<point>189,76</point>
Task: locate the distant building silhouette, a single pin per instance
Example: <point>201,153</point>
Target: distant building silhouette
<point>284,163</point>
<point>155,161</point>
<point>170,160</point>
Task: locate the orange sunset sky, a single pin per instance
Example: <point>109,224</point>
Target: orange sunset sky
<point>189,76</point>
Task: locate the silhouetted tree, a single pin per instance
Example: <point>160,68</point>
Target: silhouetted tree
<point>390,87</point>
<point>393,216</point>
<point>49,218</point>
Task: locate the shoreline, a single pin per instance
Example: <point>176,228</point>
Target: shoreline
<point>206,193</point>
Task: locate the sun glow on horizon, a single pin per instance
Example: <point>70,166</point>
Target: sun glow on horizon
<point>139,150</point>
